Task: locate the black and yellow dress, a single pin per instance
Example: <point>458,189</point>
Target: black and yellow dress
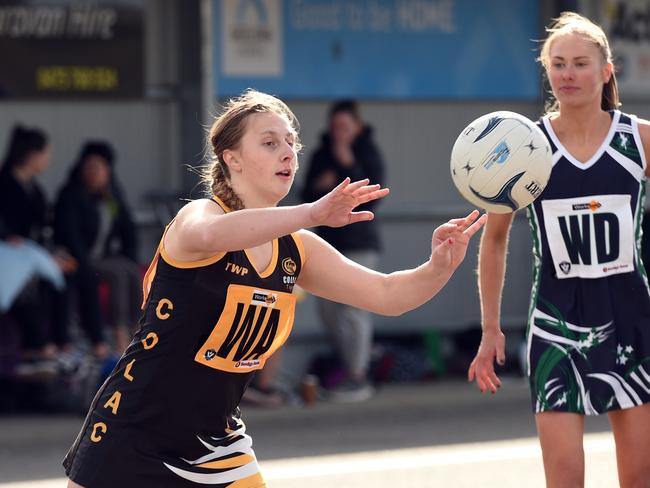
<point>168,414</point>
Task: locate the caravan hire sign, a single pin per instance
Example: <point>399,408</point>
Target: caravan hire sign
<point>55,49</point>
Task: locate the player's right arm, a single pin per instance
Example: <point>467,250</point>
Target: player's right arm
<point>492,267</point>
<point>202,229</point>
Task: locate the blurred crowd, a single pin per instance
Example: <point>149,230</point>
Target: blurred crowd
<point>70,278</point>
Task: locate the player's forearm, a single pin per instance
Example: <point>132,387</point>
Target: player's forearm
<point>405,290</point>
<point>492,265</point>
<point>253,227</point>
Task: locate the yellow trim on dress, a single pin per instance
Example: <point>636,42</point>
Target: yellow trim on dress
<point>253,481</point>
<point>301,248</point>
<point>219,202</point>
<point>272,263</point>
<point>190,264</point>
<point>186,264</point>
<point>233,462</point>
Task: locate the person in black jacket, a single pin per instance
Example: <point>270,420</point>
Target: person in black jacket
<point>348,150</point>
<point>94,223</point>
<point>24,217</point>
<point>22,200</point>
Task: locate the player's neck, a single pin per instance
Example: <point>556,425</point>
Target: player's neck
<point>581,122</point>
<point>251,199</point>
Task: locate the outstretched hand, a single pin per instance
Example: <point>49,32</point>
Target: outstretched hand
<point>336,209</point>
<point>493,344</point>
<point>450,240</point>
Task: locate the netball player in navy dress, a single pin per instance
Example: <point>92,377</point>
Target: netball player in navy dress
<point>589,325</point>
<point>218,302</point>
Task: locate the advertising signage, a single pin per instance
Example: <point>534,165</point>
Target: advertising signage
<point>403,49</point>
<point>627,25</point>
<point>71,49</point>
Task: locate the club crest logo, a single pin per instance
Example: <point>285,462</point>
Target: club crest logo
<point>565,267</point>
<point>289,266</point>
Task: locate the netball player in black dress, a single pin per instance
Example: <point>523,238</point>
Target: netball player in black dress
<point>218,302</point>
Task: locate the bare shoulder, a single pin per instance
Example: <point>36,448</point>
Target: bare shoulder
<point>307,235</point>
<point>313,244</point>
<point>644,130</point>
<point>309,240</point>
<point>197,209</point>
<point>185,240</point>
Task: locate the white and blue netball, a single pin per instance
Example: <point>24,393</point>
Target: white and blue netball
<point>501,162</point>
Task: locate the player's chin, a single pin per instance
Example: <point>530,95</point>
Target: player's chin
<point>280,191</point>
<point>572,100</point>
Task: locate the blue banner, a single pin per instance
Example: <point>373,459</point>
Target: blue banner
<point>394,49</point>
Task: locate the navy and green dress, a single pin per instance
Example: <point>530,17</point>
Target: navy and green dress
<point>588,333</point>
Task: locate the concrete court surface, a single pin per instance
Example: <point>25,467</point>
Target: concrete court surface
<point>434,434</point>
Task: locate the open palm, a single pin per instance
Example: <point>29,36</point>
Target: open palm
<point>336,209</point>
<point>450,240</point>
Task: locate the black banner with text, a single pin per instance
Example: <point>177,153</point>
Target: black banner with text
<point>71,49</point>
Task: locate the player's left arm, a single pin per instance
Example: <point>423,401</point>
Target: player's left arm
<point>644,131</point>
<point>329,274</point>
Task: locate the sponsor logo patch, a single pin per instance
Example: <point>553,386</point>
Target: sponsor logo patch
<point>264,298</point>
<point>593,206</point>
<point>250,363</point>
<point>607,269</point>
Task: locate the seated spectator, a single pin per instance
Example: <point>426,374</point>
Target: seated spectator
<point>94,223</point>
<point>30,295</point>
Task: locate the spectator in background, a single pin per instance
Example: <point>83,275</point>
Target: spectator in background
<point>95,224</point>
<point>24,222</point>
<point>347,149</point>
<point>22,201</point>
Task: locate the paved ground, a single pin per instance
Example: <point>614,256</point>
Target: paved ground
<point>436,434</point>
